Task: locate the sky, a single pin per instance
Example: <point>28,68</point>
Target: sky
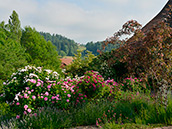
<point>80,20</point>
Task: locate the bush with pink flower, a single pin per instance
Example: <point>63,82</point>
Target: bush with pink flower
<point>31,88</point>
<point>28,77</point>
<point>92,85</point>
<point>133,84</point>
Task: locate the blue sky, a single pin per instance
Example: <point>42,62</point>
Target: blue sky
<point>80,20</point>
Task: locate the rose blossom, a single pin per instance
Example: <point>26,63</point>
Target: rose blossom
<point>34,97</point>
<point>33,81</point>
<point>25,95</point>
<point>17,117</point>
<point>68,95</point>
<point>29,110</point>
<point>45,98</point>
<point>25,107</point>
<point>38,84</point>
<point>46,93</point>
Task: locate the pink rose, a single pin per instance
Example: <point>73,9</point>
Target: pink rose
<point>25,107</point>
<point>35,114</point>
<point>21,96</point>
<point>25,95</point>
<point>68,95</point>
<point>25,112</point>
<point>45,98</point>
<point>29,110</point>
<point>27,88</point>
<point>46,93</point>
<point>67,100</point>
<point>49,86</point>
<point>29,92</point>
<point>17,117</point>
<point>38,84</point>
<point>53,97</point>
<point>34,97</point>
<point>17,103</point>
<point>33,81</point>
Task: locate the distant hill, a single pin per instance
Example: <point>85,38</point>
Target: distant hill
<point>65,46</point>
<point>94,46</point>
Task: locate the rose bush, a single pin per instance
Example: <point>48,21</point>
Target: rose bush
<point>133,84</point>
<point>32,88</point>
<point>93,85</point>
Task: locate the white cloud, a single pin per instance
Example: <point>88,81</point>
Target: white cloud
<point>98,20</point>
<point>116,1</point>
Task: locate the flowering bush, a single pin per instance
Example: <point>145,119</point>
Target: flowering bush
<point>31,77</point>
<point>66,88</point>
<point>92,84</point>
<point>30,88</point>
<point>133,85</point>
<point>115,91</point>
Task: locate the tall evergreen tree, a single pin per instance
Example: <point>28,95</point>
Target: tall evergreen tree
<point>12,54</point>
<point>14,26</point>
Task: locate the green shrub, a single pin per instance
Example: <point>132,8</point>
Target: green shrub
<point>133,85</point>
<point>80,65</point>
<point>109,68</point>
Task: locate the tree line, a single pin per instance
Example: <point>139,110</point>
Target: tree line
<point>64,46</point>
<point>94,47</point>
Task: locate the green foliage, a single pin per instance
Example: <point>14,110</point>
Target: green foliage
<point>114,70</point>
<point>133,85</point>
<point>92,84</point>
<point>40,52</point>
<point>27,79</point>
<point>80,65</point>
<point>135,108</point>
<point>62,53</point>
<point>14,27</point>
<point>95,47</point>
<point>62,44</point>
<point>12,53</point>
<point>146,55</point>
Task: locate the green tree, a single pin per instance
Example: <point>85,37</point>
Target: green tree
<point>62,43</point>
<point>39,51</point>
<point>14,26</point>
<point>80,65</point>
<point>12,54</point>
<point>62,53</point>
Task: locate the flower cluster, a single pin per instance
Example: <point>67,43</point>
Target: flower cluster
<point>91,84</point>
<point>115,91</point>
<point>26,77</point>
<point>132,84</point>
